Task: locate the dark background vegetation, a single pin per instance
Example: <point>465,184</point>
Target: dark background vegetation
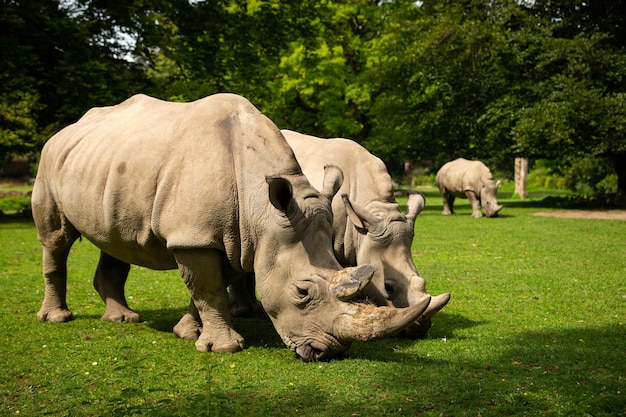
<point>424,81</point>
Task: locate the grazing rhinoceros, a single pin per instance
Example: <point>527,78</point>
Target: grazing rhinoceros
<point>368,226</point>
<point>472,180</point>
<point>211,188</point>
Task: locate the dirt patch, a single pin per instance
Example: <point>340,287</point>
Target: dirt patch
<point>585,214</point>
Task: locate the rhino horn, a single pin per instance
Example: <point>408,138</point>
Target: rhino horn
<point>436,304</point>
<point>348,282</point>
<point>414,206</point>
<point>363,322</point>
<point>360,217</point>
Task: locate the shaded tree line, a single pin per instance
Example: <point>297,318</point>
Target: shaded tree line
<point>421,81</point>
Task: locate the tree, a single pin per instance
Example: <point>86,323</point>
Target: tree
<point>53,67</point>
<point>319,88</point>
<point>501,79</point>
<point>442,63</point>
<point>570,100</point>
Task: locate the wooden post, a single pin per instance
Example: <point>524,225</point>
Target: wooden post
<point>521,177</point>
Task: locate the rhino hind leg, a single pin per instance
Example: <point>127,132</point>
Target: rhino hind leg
<point>54,306</point>
<point>201,270</point>
<point>243,301</point>
<point>109,281</point>
<point>448,202</point>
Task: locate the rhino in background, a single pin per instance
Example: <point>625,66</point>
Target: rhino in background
<point>472,180</point>
<point>212,188</point>
<point>368,226</point>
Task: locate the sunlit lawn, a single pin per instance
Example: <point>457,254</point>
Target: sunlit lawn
<point>536,326</point>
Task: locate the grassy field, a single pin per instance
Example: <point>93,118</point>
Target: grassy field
<point>536,326</point>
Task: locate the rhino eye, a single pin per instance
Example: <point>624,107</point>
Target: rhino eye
<point>302,294</point>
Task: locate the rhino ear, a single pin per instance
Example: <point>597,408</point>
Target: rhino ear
<point>414,206</point>
<point>360,217</point>
<point>333,178</point>
<point>280,192</point>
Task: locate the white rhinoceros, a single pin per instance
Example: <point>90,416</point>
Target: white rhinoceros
<point>209,187</point>
<point>472,180</point>
<point>368,226</point>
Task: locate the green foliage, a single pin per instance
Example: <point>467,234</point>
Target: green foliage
<point>14,202</point>
<point>543,175</point>
<point>53,67</point>
<point>535,327</point>
<point>588,176</point>
<point>422,81</point>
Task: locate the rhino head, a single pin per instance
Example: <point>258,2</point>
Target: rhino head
<point>488,197</point>
<point>385,238</point>
<point>307,294</point>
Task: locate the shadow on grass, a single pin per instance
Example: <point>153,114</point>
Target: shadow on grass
<point>16,221</point>
<point>550,372</point>
<point>257,330</point>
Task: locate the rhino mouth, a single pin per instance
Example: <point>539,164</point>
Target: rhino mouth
<point>315,352</point>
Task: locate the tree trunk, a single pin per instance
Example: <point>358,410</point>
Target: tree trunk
<point>521,177</point>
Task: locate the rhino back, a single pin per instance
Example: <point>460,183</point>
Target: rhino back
<point>147,176</point>
<point>462,175</point>
<point>356,162</point>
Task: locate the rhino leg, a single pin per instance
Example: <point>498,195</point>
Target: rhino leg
<point>54,306</point>
<point>189,326</point>
<point>448,201</point>
<point>109,281</point>
<point>475,203</point>
<point>201,270</point>
<point>57,235</point>
<point>242,296</point>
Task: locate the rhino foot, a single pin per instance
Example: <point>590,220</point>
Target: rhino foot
<point>55,315</point>
<point>188,327</point>
<point>122,315</point>
<point>226,340</point>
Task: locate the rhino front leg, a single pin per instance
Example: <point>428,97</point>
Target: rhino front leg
<point>475,203</point>
<point>189,326</point>
<point>201,270</point>
<point>109,281</point>
<point>54,306</point>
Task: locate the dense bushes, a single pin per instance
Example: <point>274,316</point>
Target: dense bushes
<point>14,202</point>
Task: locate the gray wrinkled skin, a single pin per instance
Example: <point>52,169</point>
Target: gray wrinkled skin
<point>472,180</point>
<point>211,188</point>
<point>368,226</point>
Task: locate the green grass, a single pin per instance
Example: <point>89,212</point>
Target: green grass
<point>536,326</point>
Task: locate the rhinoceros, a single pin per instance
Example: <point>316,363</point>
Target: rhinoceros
<point>472,180</point>
<point>368,226</point>
<point>211,188</point>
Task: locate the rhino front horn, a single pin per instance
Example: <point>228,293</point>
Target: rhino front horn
<point>363,322</point>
